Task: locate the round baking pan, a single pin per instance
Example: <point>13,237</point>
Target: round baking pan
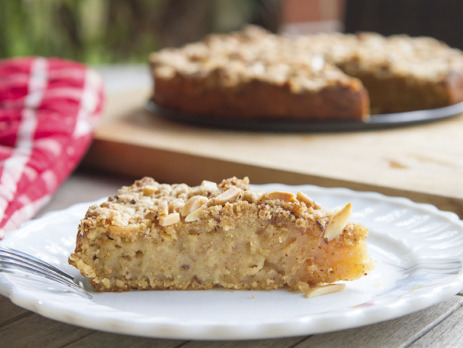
<point>380,121</point>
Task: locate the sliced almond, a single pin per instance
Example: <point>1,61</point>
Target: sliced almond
<point>302,197</point>
<point>278,195</point>
<point>150,190</point>
<point>193,204</point>
<point>228,195</point>
<point>197,214</point>
<point>324,290</point>
<point>309,202</point>
<point>169,219</point>
<point>338,222</point>
<point>209,185</point>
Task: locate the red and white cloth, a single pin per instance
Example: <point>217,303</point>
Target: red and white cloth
<point>49,109</point>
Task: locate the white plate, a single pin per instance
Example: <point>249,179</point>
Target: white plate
<point>402,233</point>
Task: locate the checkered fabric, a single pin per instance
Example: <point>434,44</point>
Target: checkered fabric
<point>49,109</point>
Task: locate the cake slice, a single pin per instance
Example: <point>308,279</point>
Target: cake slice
<point>158,236</point>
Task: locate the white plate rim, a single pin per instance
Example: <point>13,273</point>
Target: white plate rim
<point>107,320</point>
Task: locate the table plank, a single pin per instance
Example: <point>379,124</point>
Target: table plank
<point>271,343</point>
<point>394,333</point>
<point>104,339</point>
<point>37,331</point>
<point>447,334</point>
<point>9,312</point>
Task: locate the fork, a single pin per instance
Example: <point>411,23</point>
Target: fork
<point>435,266</point>
<point>21,264</point>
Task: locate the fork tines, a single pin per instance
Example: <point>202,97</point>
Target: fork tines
<point>19,263</point>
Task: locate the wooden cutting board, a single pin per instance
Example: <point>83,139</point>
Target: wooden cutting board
<point>422,162</point>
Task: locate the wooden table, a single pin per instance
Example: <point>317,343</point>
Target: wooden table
<point>424,163</point>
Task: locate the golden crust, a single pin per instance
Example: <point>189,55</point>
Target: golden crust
<point>240,239</point>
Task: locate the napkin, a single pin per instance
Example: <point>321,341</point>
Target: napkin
<point>49,109</point>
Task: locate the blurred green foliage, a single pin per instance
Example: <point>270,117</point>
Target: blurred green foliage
<point>109,31</point>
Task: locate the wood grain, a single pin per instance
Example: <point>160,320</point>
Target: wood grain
<point>394,333</point>
<point>37,331</point>
<point>271,343</point>
<point>447,334</point>
<point>10,312</point>
<point>422,162</point>
<point>104,339</point>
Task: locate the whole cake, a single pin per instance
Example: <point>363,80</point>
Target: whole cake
<point>256,74</point>
<point>158,236</point>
